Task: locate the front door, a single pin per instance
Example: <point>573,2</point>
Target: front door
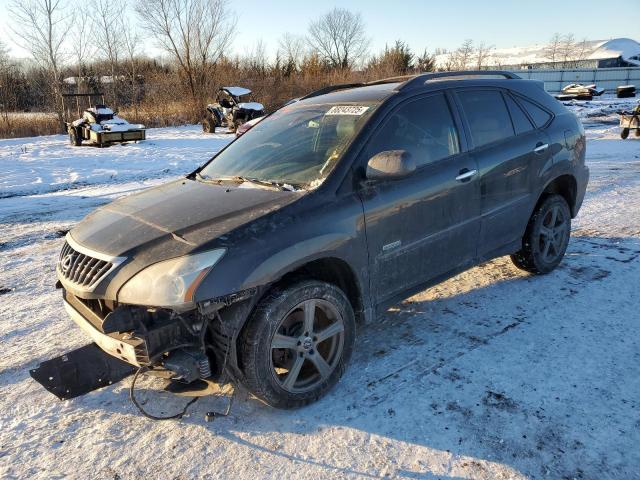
<point>426,224</point>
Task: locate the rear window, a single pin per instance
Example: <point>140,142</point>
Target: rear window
<point>539,115</point>
<point>487,115</point>
<point>521,122</point>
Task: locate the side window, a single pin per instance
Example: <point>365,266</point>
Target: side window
<point>487,116</point>
<point>424,128</point>
<point>540,116</point>
<point>520,120</point>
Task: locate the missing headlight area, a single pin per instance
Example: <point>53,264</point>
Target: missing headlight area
<point>189,349</point>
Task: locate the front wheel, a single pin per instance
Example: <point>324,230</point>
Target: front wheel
<point>546,238</point>
<point>297,344</point>
<point>624,133</point>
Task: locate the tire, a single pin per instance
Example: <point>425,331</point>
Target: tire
<point>546,237</point>
<point>74,138</point>
<point>624,133</point>
<point>274,345</point>
<point>236,124</point>
<point>209,125</point>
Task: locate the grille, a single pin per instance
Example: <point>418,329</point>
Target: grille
<point>81,269</point>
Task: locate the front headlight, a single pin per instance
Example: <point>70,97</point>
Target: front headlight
<point>170,283</point>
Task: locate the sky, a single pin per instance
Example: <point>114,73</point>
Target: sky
<point>424,24</point>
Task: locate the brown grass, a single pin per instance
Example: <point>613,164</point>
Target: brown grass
<point>28,124</point>
<point>166,104</point>
<point>158,114</point>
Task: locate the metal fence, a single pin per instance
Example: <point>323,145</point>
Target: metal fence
<point>607,78</point>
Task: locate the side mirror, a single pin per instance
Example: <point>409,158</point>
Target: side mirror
<point>389,165</point>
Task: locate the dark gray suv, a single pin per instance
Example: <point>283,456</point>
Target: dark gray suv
<point>257,267</point>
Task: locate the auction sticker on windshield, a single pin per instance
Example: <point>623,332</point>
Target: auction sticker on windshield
<point>347,110</point>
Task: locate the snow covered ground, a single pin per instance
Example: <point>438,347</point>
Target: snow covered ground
<point>48,164</point>
<point>492,374</point>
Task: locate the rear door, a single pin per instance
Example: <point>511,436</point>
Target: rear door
<point>507,148</point>
<point>426,224</point>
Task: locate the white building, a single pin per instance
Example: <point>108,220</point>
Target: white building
<point>619,52</point>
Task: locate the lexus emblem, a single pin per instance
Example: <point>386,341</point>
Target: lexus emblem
<point>66,262</point>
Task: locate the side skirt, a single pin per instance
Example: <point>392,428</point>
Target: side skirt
<point>504,250</point>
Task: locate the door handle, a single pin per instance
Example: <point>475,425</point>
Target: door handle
<point>465,174</point>
<point>541,147</point>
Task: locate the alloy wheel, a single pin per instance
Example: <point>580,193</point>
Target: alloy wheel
<point>307,345</point>
<point>553,232</point>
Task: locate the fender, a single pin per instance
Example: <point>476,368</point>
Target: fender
<point>295,256</point>
<point>266,271</point>
<point>553,173</point>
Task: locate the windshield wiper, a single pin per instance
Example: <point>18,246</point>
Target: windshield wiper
<point>266,183</point>
<point>204,179</point>
<point>217,181</point>
<point>287,187</point>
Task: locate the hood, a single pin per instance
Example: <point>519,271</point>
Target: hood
<point>175,218</point>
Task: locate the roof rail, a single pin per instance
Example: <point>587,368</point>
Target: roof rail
<point>401,78</point>
<point>332,88</point>
<point>421,79</point>
<point>344,86</point>
<point>413,81</point>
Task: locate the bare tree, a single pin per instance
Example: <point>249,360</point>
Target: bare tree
<point>41,27</point>
<point>83,48</point>
<point>131,45</point>
<point>255,59</point>
<point>5,83</point>
<point>580,52</point>
<point>567,50</point>
<point>553,48</point>
<point>483,55</point>
<point>194,32</point>
<point>339,37</point>
<point>106,17</point>
<point>291,49</point>
<point>462,57</point>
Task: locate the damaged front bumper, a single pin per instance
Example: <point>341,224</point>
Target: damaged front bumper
<point>145,337</point>
<point>117,345</point>
<point>198,344</point>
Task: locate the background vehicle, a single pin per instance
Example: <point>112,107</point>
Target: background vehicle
<point>578,91</point>
<point>229,111</point>
<point>98,124</point>
<point>257,267</point>
<point>626,91</point>
<point>630,121</point>
<point>245,127</point>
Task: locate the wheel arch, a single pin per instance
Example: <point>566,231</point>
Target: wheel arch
<point>564,185</point>
<point>331,270</point>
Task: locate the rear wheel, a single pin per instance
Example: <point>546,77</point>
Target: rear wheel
<point>546,238</point>
<point>624,133</point>
<point>209,125</point>
<point>297,344</point>
<point>74,137</point>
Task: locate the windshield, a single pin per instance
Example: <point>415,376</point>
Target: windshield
<point>298,145</point>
